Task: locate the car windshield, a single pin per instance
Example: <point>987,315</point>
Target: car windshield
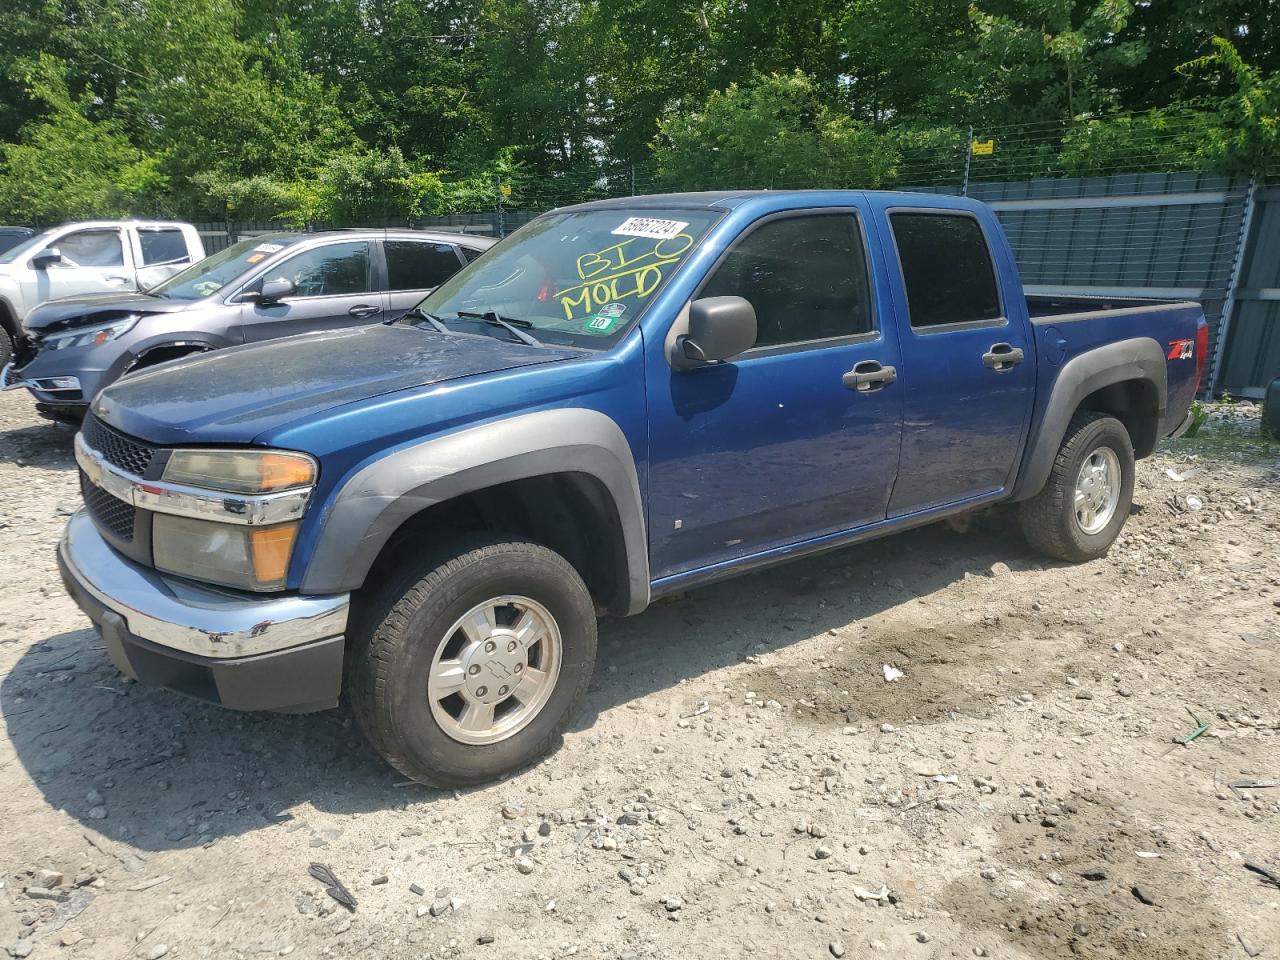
<point>579,277</point>
<point>30,245</point>
<point>208,276</point>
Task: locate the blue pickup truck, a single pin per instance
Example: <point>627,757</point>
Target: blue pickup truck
<point>623,399</point>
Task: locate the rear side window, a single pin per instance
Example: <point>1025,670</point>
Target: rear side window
<point>91,248</point>
<point>470,253</point>
<point>946,267</point>
<point>418,264</point>
<point>806,276</point>
<point>162,246</point>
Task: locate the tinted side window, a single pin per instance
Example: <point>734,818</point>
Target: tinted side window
<point>162,246</point>
<point>334,270</point>
<point>470,253</point>
<point>806,276</point>
<point>418,264</point>
<point>91,248</point>
<point>946,267</point>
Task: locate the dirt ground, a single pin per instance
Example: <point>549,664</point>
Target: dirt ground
<point>742,779</point>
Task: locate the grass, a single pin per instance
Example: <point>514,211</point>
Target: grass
<point>1216,438</point>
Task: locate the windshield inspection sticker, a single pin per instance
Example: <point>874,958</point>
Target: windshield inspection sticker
<point>608,318</point>
<point>649,227</point>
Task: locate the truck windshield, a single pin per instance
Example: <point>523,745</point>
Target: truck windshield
<point>208,276</point>
<point>30,245</point>
<point>579,277</point>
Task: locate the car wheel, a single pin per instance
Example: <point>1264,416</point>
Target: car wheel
<point>1086,500</point>
<point>470,665</point>
<point>6,346</point>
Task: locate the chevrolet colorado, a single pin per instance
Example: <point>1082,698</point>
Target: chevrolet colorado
<point>623,399</point>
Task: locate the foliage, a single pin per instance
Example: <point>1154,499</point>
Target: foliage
<point>775,132</point>
<point>345,109</point>
<point>1250,112</point>
<point>111,173</point>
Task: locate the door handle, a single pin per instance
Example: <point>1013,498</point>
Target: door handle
<point>364,310</point>
<point>1002,357</point>
<point>116,279</point>
<point>868,376</point>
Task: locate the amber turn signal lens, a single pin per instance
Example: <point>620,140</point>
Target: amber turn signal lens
<point>281,471</point>
<point>271,548</point>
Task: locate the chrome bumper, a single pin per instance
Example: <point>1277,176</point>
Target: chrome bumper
<point>181,616</point>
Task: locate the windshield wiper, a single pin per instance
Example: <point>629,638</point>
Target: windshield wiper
<point>436,323</point>
<point>510,324</point>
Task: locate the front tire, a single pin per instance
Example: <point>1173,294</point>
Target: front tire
<point>6,346</point>
<point>1086,500</point>
<point>470,665</point>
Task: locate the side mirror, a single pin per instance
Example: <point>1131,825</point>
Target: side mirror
<point>273,291</point>
<point>46,258</point>
<point>719,329</point>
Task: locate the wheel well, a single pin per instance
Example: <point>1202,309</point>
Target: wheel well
<point>166,352</point>
<point>570,513</point>
<point>8,320</point>
<point>1135,404</point>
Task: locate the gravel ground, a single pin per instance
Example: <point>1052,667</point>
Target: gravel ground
<point>741,780</point>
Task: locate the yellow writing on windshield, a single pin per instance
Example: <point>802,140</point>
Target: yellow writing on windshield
<point>632,268</point>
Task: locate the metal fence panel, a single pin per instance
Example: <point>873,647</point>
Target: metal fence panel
<point>1252,358</point>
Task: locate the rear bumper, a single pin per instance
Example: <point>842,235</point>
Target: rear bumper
<point>237,651</point>
<point>1182,427</point>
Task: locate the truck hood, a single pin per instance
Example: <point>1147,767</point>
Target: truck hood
<point>235,395</point>
<point>97,308</point>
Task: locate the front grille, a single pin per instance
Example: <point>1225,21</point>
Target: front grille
<point>109,513</point>
<point>130,455</point>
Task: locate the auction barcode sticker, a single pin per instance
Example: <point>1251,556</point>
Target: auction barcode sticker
<point>649,227</point>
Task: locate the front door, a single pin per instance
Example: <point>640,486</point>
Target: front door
<point>93,261</point>
<point>972,370</point>
<point>335,287</point>
<point>786,442</point>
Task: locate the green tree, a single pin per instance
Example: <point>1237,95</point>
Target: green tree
<point>774,132</point>
<point>67,166</point>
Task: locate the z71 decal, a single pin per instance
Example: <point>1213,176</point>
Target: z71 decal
<point>1182,349</point>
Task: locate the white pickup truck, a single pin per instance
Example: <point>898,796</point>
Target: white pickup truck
<point>100,256</point>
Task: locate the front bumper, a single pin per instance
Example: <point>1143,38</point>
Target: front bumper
<point>237,650</point>
<point>52,394</point>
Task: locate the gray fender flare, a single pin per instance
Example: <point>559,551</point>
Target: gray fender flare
<point>1138,359</point>
<point>368,509</point>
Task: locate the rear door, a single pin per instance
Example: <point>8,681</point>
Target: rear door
<point>336,285</point>
<point>415,268</point>
<point>970,366</point>
<point>796,438</point>
<point>159,252</point>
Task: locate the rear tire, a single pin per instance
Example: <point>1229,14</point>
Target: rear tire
<point>504,624</point>
<point>6,346</point>
<point>1086,500</point>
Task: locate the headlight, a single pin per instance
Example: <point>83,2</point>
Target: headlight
<point>241,471</point>
<point>251,558</point>
<point>84,336</point>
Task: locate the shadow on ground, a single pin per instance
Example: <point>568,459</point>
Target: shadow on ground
<point>89,738</point>
<point>41,445</point>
